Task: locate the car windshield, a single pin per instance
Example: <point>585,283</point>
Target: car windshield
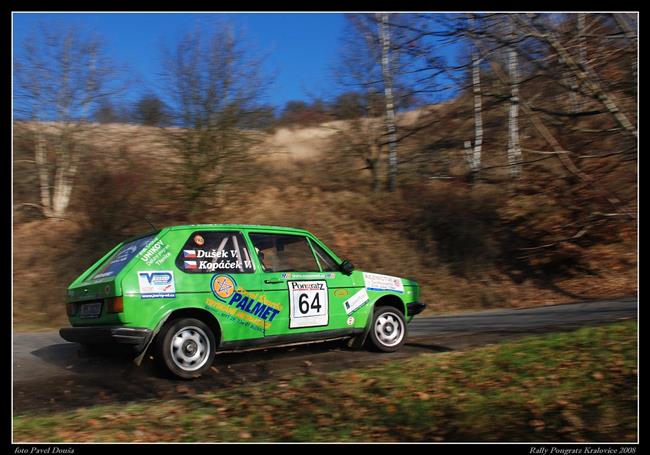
<point>114,264</point>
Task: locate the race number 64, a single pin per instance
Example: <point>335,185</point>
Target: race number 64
<point>308,302</point>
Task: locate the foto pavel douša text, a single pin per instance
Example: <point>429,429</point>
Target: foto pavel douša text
<point>40,450</point>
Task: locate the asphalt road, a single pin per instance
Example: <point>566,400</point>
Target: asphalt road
<point>49,372</point>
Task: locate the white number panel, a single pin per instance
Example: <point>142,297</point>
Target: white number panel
<point>308,304</point>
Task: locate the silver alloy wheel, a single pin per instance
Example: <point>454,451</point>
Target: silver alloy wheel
<point>389,329</point>
<point>190,348</point>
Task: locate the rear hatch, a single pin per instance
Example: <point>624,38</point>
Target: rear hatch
<point>95,298</point>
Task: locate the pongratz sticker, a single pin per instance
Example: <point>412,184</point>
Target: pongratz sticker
<point>377,282</point>
<point>157,284</point>
<point>356,301</point>
<point>308,304</point>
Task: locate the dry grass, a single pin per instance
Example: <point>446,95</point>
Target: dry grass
<point>458,239</point>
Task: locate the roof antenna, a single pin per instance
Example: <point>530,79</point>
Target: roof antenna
<point>142,215</point>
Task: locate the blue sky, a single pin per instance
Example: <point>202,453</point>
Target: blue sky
<point>301,47</point>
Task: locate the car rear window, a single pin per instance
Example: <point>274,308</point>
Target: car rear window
<point>215,251</point>
<point>114,264</point>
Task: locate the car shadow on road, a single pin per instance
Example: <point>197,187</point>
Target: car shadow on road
<point>87,379</point>
<point>73,358</point>
<point>428,346</point>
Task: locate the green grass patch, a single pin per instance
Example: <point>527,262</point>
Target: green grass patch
<point>573,386</point>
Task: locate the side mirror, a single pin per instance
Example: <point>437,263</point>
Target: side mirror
<point>346,267</point>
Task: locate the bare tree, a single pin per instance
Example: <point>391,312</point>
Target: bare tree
<point>150,110</point>
<point>387,75</point>
<point>359,68</point>
<point>585,75</point>
<point>362,135</point>
<point>474,157</point>
<point>214,87</point>
<point>61,74</point>
<point>381,55</point>
<point>514,149</point>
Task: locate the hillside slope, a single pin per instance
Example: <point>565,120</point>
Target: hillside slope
<point>465,242</point>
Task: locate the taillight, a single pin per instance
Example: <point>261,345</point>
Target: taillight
<point>70,308</point>
<point>115,305</point>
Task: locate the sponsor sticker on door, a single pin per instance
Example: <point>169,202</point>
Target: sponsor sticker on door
<point>356,301</point>
<point>377,282</point>
<point>157,284</point>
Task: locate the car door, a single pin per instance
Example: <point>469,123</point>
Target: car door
<point>310,295</point>
<point>347,292</point>
<point>216,272</point>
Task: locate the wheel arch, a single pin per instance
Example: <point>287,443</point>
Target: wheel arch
<point>391,300</point>
<point>200,314</point>
<point>387,300</point>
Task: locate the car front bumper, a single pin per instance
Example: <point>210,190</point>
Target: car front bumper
<point>414,308</point>
<point>106,334</point>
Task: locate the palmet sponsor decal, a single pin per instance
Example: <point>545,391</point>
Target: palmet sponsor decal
<point>251,308</point>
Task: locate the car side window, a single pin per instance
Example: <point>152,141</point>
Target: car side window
<point>326,262</point>
<point>284,253</point>
<point>215,251</point>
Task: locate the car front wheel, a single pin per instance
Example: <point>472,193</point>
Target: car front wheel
<point>186,348</point>
<point>388,331</point>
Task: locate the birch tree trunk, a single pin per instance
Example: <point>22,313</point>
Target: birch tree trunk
<point>582,60</point>
<point>514,150</point>
<point>478,113</point>
<point>40,157</point>
<point>582,39</point>
<point>388,101</point>
<point>64,178</point>
<point>572,82</point>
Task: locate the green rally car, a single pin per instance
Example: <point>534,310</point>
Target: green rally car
<point>188,292</point>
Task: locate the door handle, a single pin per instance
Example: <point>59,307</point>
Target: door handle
<point>273,281</point>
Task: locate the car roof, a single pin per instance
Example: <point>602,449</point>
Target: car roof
<point>239,227</point>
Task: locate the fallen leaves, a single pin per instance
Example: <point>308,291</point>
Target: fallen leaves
<point>551,392</point>
<point>537,424</point>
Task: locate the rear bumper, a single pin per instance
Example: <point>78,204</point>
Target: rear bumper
<point>106,334</point>
<point>415,308</point>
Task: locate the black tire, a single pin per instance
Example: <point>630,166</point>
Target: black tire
<point>388,331</point>
<point>185,348</point>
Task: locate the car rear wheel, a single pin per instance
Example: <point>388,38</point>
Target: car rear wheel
<point>185,348</point>
<point>388,332</point>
